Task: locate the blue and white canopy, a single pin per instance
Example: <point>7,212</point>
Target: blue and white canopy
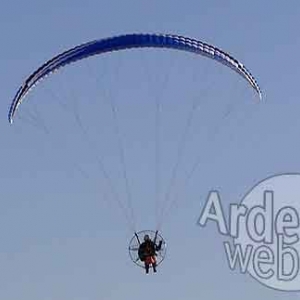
<point>129,41</point>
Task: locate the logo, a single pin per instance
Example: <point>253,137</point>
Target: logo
<point>264,231</point>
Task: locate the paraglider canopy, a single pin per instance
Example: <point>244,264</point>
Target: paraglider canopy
<point>129,41</point>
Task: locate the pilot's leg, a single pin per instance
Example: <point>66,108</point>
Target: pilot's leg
<point>153,260</point>
<point>154,267</point>
<point>147,267</point>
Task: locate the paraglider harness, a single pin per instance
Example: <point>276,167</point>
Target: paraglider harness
<point>147,252</point>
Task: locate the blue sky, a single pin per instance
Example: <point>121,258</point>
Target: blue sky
<point>62,233</point>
